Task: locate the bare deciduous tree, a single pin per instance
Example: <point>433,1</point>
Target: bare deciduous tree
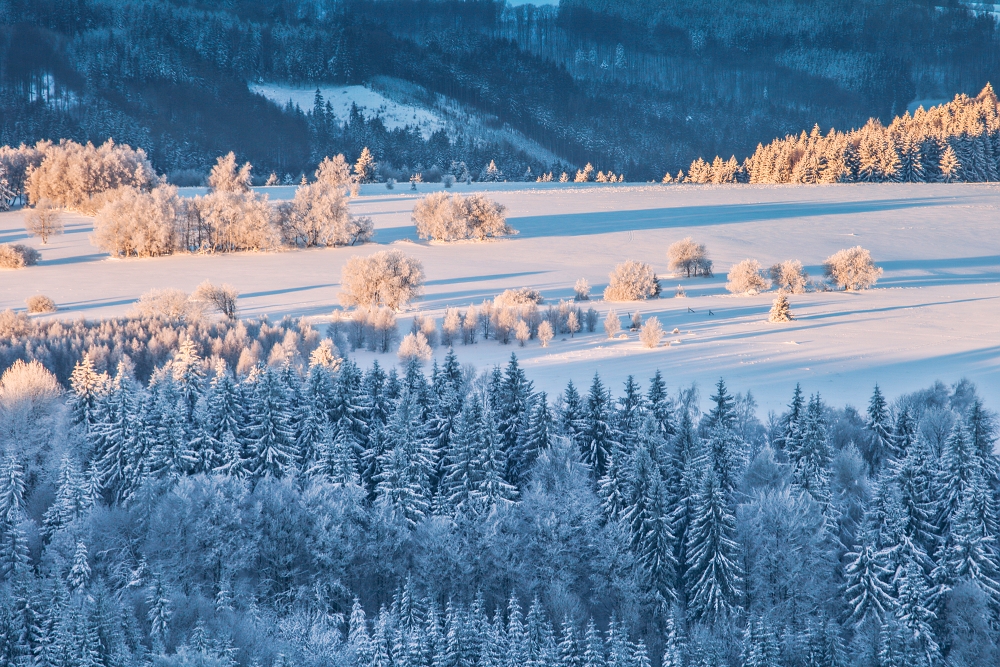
<point>223,297</point>
<point>43,221</point>
<point>690,257</point>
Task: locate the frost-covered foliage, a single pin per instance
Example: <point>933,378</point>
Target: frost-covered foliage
<point>17,256</point>
<point>84,178</point>
<point>581,290</point>
<point>521,296</point>
<point>385,278</point>
<point>612,325</point>
<point>140,224</point>
<point>952,142</point>
<point>415,346</point>
<point>407,516</point>
<point>781,310</point>
<point>789,276</point>
<point>39,303</point>
<point>632,281</point>
<point>454,218</point>
<point>15,165</point>
<point>690,257</point>
<point>747,277</point>
<point>227,176</point>
<point>852,269</point>
<point>145,343</point>
<point>651,333</point>
<point>43,221</point>
<point>173,305</point>
<point>319,215</point>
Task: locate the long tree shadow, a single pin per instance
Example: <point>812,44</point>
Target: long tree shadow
<point>602,222</point>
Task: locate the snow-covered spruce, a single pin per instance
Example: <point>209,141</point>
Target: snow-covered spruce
<point>781,310</point>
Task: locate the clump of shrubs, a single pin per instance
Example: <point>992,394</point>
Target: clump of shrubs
<point>222,297</point>
<point>171,305</point>
<point>40,303</point>
<point>789,276</point>
<point>455,218</point>
<point>521,296</point>
<point>651,333</point>
<point>632,281</point>
<point>17,256</point>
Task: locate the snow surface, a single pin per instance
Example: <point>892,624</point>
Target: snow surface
<point>935,314</point>
<point>371,103</point>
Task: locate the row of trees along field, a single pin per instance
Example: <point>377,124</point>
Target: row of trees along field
<point>306,512</point>
<point>954,142</point>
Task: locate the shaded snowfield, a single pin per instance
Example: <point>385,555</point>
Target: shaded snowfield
<point>934,315</point>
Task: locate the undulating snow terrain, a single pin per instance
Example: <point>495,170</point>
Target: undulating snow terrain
<point>935,314</point>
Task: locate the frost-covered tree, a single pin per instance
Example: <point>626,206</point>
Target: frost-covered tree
<point>632,281</point>
<point>43,221</point>
<point>364,168</point>
<point>386,278</point>
<point>612,325</point>
<point>414,346</point>
<point>651,333</point>
<point>222,297</point>
<point>747,277</point>
<point>781,310</point>
<point>789,276</point>
<point>139,223</point>
<point>713,577</point>
<point>690,257</point>
<point>545,333</point>
<point>852,269</point>
<point>227,176</point>
<point>453,218</point>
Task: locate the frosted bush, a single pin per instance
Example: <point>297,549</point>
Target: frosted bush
<point>139,224</point>
<point>522,332</point>
<point>612,325</point>
<point>453,218</point>
<point>521,296</point>
<point>690,257</point>
<point>167,304</point>
<point>572,323</point>
<point>326,355</point>
<point>591,319</point>
<point>852,269</point>
<point>632,281</point>
<point>636,321</point>
<point>43,221</point>
<point>27,385</point>
<point>75,176</point>
<point>651,333</point>
<point>451,327</point>
<point>414,346</point>
<point>789,276</point>
<point>427,326</point>
<point>582,290</point>
<point>222,297</point>
<point>232,221</point>
<point>386,278</point>
<point>545,333</point>
<point>39,303</point>
<point>17,256</point>
<point>747,278</point>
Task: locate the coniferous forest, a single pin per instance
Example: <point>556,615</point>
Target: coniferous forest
<point>195,506</point>
<point>692,78</point>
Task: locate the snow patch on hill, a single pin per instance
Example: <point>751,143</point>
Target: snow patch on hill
<point>370,102</point>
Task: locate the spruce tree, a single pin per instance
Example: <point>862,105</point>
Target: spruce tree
<point>457,490</point>
<point>880,446</point>
<point>598,436</point>
<point>648,518</point>
<point>713,576</point>
<point>270,438</point>
<point>534,439</point>
<point>571,417</point>
<point>811,461</point>
<point>659,405</point>
<point>866,592</point>
<point>492,489</point>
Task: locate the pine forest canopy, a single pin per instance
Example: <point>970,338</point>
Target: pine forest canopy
<point>171,511</point>
<point>693,79</point>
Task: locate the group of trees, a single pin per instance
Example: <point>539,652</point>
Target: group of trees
<point>851,269</point>
<point>455,218</point>
<point>320,514</point>
<point>954,142</point>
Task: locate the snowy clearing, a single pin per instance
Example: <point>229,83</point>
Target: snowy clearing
<point>370,102</point>
<point>935,314</point>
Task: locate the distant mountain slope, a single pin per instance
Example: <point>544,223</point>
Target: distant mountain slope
<point>636,87</point>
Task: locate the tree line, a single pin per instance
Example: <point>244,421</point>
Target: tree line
<point>310,512</point>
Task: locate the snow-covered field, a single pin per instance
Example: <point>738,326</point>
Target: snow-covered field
<point>935,314</point>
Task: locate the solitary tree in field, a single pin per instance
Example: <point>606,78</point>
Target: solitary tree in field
<point>689,257</point>
<point>746,278</point>
<point>632,281</point>
<point>387,278</point>
<point>789,276</point>
<point>852,268</point>
<point>43,221</point>
<point>780,310</point>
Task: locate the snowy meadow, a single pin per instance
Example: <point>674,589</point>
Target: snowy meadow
<point>931,316</point>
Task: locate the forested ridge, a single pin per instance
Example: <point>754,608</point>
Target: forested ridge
<point>690,78</point>
<point>169,510</point>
